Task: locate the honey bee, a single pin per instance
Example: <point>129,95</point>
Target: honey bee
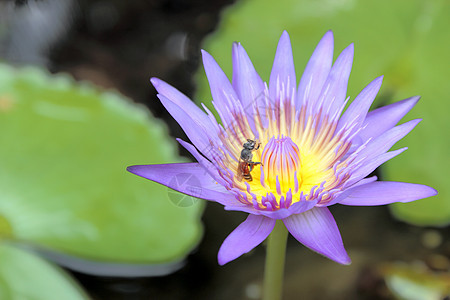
<point>246,164</point>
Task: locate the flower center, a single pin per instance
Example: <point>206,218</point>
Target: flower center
<point>302,158</point>
<point>281,164</point>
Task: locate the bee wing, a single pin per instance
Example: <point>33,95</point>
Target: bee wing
<point>240,170</point>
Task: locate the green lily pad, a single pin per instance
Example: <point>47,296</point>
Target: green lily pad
<point>411,282</point>
<point>63,180</point>
<point>28,277</point>
<point>407,41</point>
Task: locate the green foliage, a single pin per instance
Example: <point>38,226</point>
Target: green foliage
<point>26,276</point>
<point>415,282</point>
<point>63,179</point>
<point>407,41</point>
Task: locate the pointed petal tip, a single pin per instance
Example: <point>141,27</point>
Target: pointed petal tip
<point>387,192</point>
<point>328,36</point>
<point>155,81</point>
<point>343,258</point>
<point>137,169</point>
<point>284,39</point>
<point>376,83</point>
<point>423,191</point>
<point>222,260</point>
<point>346,261</point>
<point>350,49</point>
<point>410,124</point>
<point>346,57</point>
<point>416,121</point>
<point>432,191</point>
<point>205,55</point>
<point>131,169</point>
<point>413,100</point>
<point>347,53</point>
<point>408,103</point>
<point>234,49</point>
<point>327,42</point>
<point>340,257</point>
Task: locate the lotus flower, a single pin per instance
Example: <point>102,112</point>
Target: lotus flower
<point>311,155</point>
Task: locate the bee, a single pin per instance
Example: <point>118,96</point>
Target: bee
<point>246,164</point>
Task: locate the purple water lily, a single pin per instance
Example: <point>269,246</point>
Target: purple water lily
<point>312,154</point>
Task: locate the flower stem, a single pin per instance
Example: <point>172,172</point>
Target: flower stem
<point>274,269</point>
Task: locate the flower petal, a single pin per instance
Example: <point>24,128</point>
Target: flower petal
<point>357,110</point>
<point>386,192</point>
<point>274,214</point>
<point>370,165</point>
<point>384,142</point>
<point>334,90</point>
<point>283,70</point>
<point>246,81</point>
<point>207,165</point>
<point>278,214</point>
<point>317,230</point>
<point>316,71</point>
<point>181,101</point>
<point>249,234</point>
<point>188,178</point>
<point>197,131</point>
<point>342,195</point>
<point>386,117</point>
<point>221,88</point>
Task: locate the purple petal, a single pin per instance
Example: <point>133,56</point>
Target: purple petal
<point>207,165</point>
<point>221,88</point>
<point>246,81</point>
<point>384,142</point>
<point>386,117</point>
<point>302,206</point>
<point>357,110</point>
<point>278,214</point>
<point>342,195</point>
<point>201,159</point>
<point>370,165</point>
<point>196,131</point>
<point>188,178</point>
<point>275,214</point>
<point>283,70</point>
<point>386,192</point>
<point>317,230</point>
<point>316,71</point>
<point>334,90</point>
<point>249,234</point>
<point>181,101</point>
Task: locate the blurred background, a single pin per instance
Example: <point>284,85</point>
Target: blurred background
<point>77,108</point>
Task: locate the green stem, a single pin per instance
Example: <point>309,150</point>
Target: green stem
<point>274,270</point>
